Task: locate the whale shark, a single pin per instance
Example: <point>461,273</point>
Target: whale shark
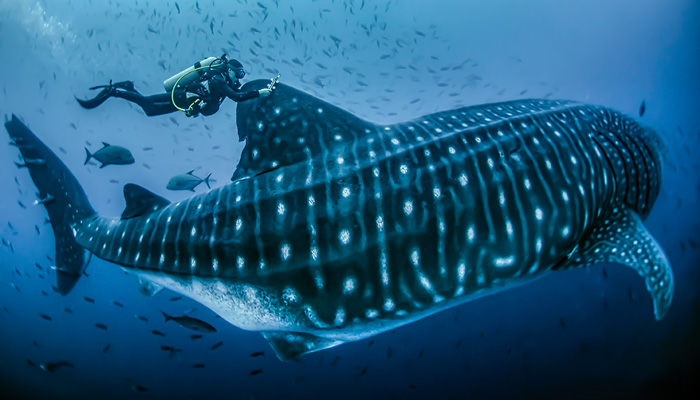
<point>334,228</point>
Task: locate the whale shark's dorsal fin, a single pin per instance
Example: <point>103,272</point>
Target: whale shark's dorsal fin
<point>140,201</point>
<point>291,126</point>
<point>622,238</point>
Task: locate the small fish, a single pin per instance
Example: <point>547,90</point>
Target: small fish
<point>255,372</point>
<point>51,367</point>
<point>201,365</point>
<point>110,155</point>
<point>562,322</point>
<point>48,199</point>
<point>30,362</point>
<point>170,349</point>
<point>217,345</point>
<point>642,108</point>
<point>68,310</point>
<point>142,318</point>
<point>89,300</point>
<point>157,333</point>
<point>101,326</point>
<point>195,337</point>
<point>106,348</point>
<point>46,317</point>
<point>139,388</point>
<point>257,354</point>
<point>187,181</point>
<point>190,323</point>
<point>31,161</point>
<point>118,304</point>
<point>176,298</point>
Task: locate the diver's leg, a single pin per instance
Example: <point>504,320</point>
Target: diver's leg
<point>157,104</point>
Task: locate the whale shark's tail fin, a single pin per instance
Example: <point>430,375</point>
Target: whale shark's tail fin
<point>61,195</point>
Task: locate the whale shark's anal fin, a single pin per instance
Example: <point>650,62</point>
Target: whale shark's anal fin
<point>290,345</point>
<point>622,238</point>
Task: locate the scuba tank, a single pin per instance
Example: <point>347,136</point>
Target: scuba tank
<point>187,76</point>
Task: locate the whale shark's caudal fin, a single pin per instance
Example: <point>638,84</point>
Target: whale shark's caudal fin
<point>61,195</point>
<point>622,238</point>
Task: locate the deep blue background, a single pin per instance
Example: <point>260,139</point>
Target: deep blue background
<point>569,334</point>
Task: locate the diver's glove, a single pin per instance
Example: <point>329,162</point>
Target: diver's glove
<point>264,92</point>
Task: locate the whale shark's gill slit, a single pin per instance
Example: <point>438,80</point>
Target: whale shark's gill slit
<point>652,186</point>
<point>620,145</point>
<point>642,174</point>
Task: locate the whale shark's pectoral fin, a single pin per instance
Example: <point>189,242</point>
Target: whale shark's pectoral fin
<point>623,239</point>
<point>289,345</point>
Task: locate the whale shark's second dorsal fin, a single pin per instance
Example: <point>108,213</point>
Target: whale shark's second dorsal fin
<point>140,201</point>
<point>289,127</point>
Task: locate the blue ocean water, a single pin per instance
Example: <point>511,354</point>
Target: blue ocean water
<point>571,334</point>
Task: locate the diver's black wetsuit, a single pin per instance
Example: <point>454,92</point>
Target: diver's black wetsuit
<point>210,92</point>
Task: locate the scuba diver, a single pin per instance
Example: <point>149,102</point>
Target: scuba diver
<point>199,89</point>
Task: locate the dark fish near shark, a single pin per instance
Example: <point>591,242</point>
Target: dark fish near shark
<point>187,181</point>
<point>110,155</point>
<point>190,323</point>
<point>336,229</point>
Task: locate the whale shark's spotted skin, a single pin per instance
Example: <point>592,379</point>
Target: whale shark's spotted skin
<point>336,229</point>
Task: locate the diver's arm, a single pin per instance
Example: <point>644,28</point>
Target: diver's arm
<point>222,88</point>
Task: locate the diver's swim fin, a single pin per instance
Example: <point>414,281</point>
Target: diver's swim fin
<point>106,92</point>
<point>126,85</point>
<point>89,104</point>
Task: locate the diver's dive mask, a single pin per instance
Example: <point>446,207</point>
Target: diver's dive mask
<point>236,73</point>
